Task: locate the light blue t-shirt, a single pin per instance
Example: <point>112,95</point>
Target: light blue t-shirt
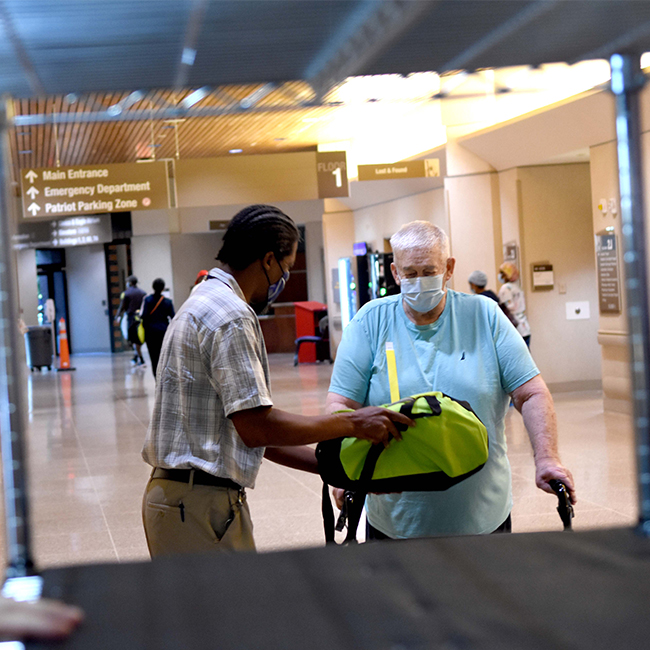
<point>473,353</point>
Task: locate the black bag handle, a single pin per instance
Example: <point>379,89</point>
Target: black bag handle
<point>355,500</point>
<point>407,410</point>
<point>353,503</point>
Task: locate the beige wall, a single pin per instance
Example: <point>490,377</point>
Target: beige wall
<point>378,222</point>
<point>190,254</point>
<point>246,179</point>
<point>474,226</point>
<point>613,331</point>
<point>151,256</point>
<point>27,297</point>
<point>557,227</point>
<point>338,235</point>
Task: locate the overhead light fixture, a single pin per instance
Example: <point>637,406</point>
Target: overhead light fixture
<point>127,102</point>
<point>195,97</point>
<point>188,56</point>
<point>236,151</point>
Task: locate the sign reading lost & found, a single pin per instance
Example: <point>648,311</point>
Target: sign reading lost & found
<point>94,189</point>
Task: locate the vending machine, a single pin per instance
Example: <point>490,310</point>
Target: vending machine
<point>362,278</point>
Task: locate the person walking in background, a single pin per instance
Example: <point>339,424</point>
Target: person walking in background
<point>157,312</point>
<point>201,277</point>
<point>478,283</point>
<point>131,302</point>
<point>512,296</point>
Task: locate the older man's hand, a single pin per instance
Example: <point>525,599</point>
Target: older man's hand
<point>547,469</point>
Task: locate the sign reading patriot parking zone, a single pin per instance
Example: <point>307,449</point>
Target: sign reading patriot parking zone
<point>94,189</point>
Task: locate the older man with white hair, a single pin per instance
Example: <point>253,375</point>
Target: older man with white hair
<point>461,345</point>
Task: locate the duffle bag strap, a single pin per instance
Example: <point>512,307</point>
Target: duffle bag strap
<point>350,516</point>
<point>407,409</point>
<point>353,502</point>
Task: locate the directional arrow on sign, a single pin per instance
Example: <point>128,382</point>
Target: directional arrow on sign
<point>32,191</point>
<point>31,175</point>
<point>34,208</point>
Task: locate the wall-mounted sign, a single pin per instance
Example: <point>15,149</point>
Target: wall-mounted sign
<point>409,169</point>
<point>510,252</point>
<point>92,189</point>
<point>76,231</point>
<point>609,289</point>
<point>542,276</point>
<point>578,310</point>
<point>332,174</point>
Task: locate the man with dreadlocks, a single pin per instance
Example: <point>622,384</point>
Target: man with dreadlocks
<point>213,418</point>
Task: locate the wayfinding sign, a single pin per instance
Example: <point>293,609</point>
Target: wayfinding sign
<point>94,189</point>
<point>609,288</point>
<point>429,168</point>
<point>332,174</point>
<point>74,231</point>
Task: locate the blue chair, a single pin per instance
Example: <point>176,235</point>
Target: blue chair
<point>322,342</point>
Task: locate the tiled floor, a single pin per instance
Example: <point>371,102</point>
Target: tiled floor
<point>86,429</point>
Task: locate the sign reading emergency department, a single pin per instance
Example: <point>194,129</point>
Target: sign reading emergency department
<point>93,189</point>
<point>409,169</point>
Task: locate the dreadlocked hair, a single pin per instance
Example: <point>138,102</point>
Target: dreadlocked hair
<point>253,232</point>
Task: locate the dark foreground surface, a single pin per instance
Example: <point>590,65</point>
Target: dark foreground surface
<point>546,590</point>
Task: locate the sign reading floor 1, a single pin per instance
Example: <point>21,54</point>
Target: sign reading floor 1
<point>94,189</point>
<point>332,174</point>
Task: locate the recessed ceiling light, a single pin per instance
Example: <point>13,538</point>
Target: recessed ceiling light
<point>236,150</point>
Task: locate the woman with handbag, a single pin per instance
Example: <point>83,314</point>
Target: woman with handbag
<point>157,312</point>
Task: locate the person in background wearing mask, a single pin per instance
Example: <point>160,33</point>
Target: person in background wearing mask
<point>213,417</point>
<point>465,347</point>
<point>157,312</point>
<point>512,296</point>
<point>477,283</point>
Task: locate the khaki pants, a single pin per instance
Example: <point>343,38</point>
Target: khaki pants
<point>183,518</point>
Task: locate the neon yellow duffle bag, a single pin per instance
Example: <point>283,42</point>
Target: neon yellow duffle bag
<point>448,444</point>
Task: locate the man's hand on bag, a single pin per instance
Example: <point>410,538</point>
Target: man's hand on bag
<point>377,424</point>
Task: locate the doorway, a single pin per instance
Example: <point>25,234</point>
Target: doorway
<point>52,283</point>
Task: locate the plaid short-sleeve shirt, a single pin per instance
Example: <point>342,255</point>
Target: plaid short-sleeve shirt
<point>212,364</point>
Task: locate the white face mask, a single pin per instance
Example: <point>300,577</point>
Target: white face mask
<point>423,293</point>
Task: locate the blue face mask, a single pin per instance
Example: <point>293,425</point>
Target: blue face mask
<point>423,294</point>
<point>273,292</point>
<point>278,287</point>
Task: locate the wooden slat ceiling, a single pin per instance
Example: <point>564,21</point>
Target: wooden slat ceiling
<point>115,142</point>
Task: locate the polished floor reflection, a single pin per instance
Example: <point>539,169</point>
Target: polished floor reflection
<point>87,477</point>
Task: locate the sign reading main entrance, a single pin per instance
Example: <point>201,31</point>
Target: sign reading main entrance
<point>94,189</point>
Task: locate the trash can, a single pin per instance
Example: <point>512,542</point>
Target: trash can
<point>38,347</point>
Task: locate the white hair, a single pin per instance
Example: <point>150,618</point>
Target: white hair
<point>420,235</point>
